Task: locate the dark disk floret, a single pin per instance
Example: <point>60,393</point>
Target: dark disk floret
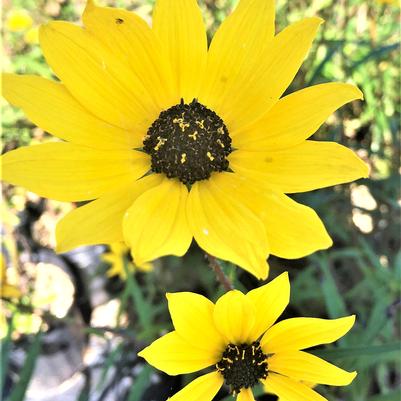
<point>188,142</point>
<point>242,366</point>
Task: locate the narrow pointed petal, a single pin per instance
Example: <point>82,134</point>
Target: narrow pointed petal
<point>304,332</point>
<point>306,367</point>
<point>295,117</point>
<point>287,389</point>
<point>269,302</point>
<point>156,224</point>
<point>100,81</point>
<point>179,26</point>
<point>246,394</point>
<point>240,40</point>
<point>192,316</point>
<point>101,221</point>
<point>304,167</point>
<point>68,172</point>
<point>259,82</point>
<point>224,226</point>
<point>175,356</point>
<point>131,39</point>
<point>51,107</point>
<point>234,317</point>
<point>204,388</point>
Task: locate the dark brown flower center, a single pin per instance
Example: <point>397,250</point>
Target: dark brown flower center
<point>188,142</point>
<point>242,366</point>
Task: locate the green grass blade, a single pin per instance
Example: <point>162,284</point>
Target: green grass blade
<point>18,393</point>
<point>140,385</point>
<point>357,352</point>
<point>6,344</point>
<point>393,396</point>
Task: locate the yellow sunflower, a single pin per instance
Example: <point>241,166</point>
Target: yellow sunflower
<point>115,257</point>
<point>172,140</point>
<point>237,336</point>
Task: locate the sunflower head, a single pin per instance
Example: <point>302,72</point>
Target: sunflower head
<point>173,140</point>
<point>239,339</point>
<point>188,142</point>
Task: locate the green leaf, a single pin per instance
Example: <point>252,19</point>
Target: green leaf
<point>18,393</point>
<point>140,385</point>
<point>393,396</point>
<point>357,352</point>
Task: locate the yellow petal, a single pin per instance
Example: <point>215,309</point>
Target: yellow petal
<point>246,394</point>
<point>269,302</point>
<point>293,230</point>
<point>68,172</point>
<point>304,167</point>
<point>130,38</point>
<point>192,316</point>
<point>100,81</point>
<point>288,389</point>
<point>261,80</point>
<point>174,356</point>
<point>239,42</point>
<point>100,221</point>
<point>234,316</point>
<point>179,26</point>
<point>9,291</point>
<point>51,107</point>
<point>156,224</point>
<point>203,388</point>
<point>306,367</point>
<point>295,117</point>
<point>304,332</point>
<point>224,226</point>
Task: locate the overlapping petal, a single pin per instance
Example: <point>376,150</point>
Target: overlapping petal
<point>304,332</point>
<point>204,388</point>
<point>269,302</point>
<point>99,80</point>
<point>244,94</point>
<point>224,226</point>
<point>156,224</point>
<point>295,117</point>
<point>69,172</point>
<point>306,367</point>
<point>179,26</point>
<point>293,230</point>
<point>51,107</point>
<point>288,389</point>
<point>192,316</point>
<point>131,40</point>
<point>304,167</point>
<point>234,317</point>
<point>100,221</point>
<point>175,356</point>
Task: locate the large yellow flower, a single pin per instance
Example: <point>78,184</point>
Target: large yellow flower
<point>173,141</point>
<point>238,336</point>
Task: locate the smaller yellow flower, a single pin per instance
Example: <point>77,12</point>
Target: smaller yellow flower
<point>18,20</point>
<point>237,336</point>
<point>7,290</point>
<point>31,36</point>
<point>115,257</point>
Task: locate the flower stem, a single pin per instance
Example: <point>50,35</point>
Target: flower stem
<point>221,277</point>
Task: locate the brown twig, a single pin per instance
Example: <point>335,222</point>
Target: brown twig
<point>223,279</point>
